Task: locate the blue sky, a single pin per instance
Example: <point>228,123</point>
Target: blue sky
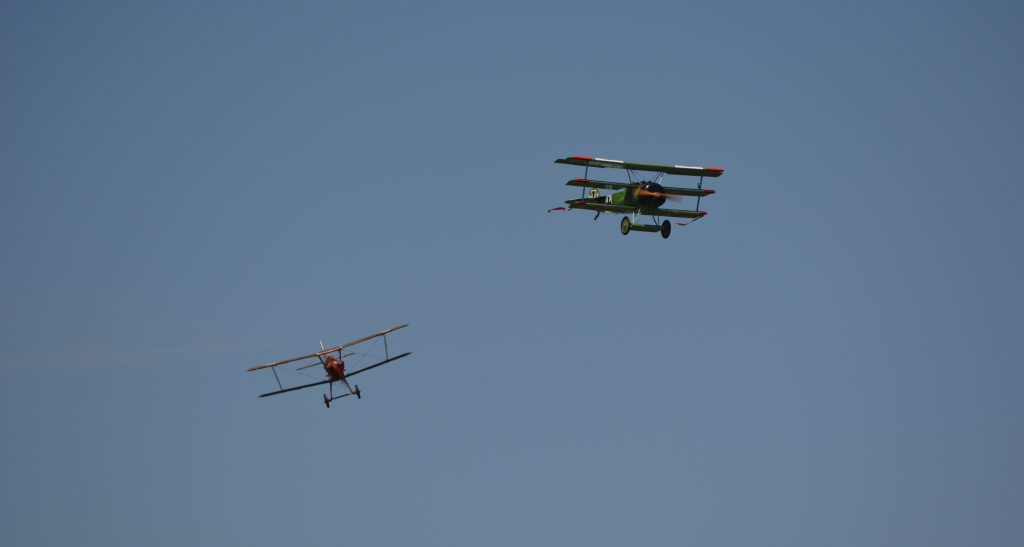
<point>832,356</point>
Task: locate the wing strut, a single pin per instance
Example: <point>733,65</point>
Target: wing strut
<point>583,191</point>
<point>276,378</point>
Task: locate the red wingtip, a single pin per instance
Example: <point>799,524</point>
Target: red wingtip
<point>715,169</point>
<point>709,192</point>
<point>702,213</point>
<point>588,158</point>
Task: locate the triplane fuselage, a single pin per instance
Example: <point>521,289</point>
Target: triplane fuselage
<point>638,197</point>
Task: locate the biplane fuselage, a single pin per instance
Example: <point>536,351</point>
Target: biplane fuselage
<point>334,367</point>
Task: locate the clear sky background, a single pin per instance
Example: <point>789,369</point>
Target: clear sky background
<point>831,357</point>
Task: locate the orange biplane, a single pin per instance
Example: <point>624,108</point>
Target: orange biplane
<point>333,361</point>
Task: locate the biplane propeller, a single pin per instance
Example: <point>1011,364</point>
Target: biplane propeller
<point>638,196</point>
<point>333,362</point>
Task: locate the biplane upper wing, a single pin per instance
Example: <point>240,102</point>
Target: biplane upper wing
<point>292,360</point>
<point>329,350</point>
<point>588,161</point>
<point>603,184</point>
<point>320,363</point>
<point>370,337</point>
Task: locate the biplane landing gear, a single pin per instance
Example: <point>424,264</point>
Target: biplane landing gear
<point>666,229</point>
<point>327,402</point>
<point>624,226</point>
<point>359,394</point>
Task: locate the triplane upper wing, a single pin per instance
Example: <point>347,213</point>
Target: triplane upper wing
<point>587,161</point>
<point>332,360</point>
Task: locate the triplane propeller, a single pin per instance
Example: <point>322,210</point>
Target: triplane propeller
<point>333,361</point>
<point>639,196</point>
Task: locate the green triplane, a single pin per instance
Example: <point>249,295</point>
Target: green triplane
<point>638,197</point>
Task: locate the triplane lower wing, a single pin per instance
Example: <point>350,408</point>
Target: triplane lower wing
<point>333,362</point>
<point>639,196</point>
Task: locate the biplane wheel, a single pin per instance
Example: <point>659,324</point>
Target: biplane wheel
<point>666,229</point>
<point>624,225</point>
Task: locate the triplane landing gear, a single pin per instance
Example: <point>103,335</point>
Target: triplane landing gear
<point>665,228</point>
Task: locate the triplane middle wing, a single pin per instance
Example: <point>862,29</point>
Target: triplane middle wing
<point>639,196</point>
<point>333,362</point>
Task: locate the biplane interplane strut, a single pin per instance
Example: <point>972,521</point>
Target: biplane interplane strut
<point>332,360</point>
<point>639,196</point>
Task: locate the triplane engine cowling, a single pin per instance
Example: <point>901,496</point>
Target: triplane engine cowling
<point>650,195</point>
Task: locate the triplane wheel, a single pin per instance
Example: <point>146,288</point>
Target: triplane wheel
<point>624,225</point>
<point>666,229</point>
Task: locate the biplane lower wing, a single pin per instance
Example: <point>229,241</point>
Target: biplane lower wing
<point>587,161</point>
<point>384,362</point>
<point>325,382</point>
<point>296,388</point>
